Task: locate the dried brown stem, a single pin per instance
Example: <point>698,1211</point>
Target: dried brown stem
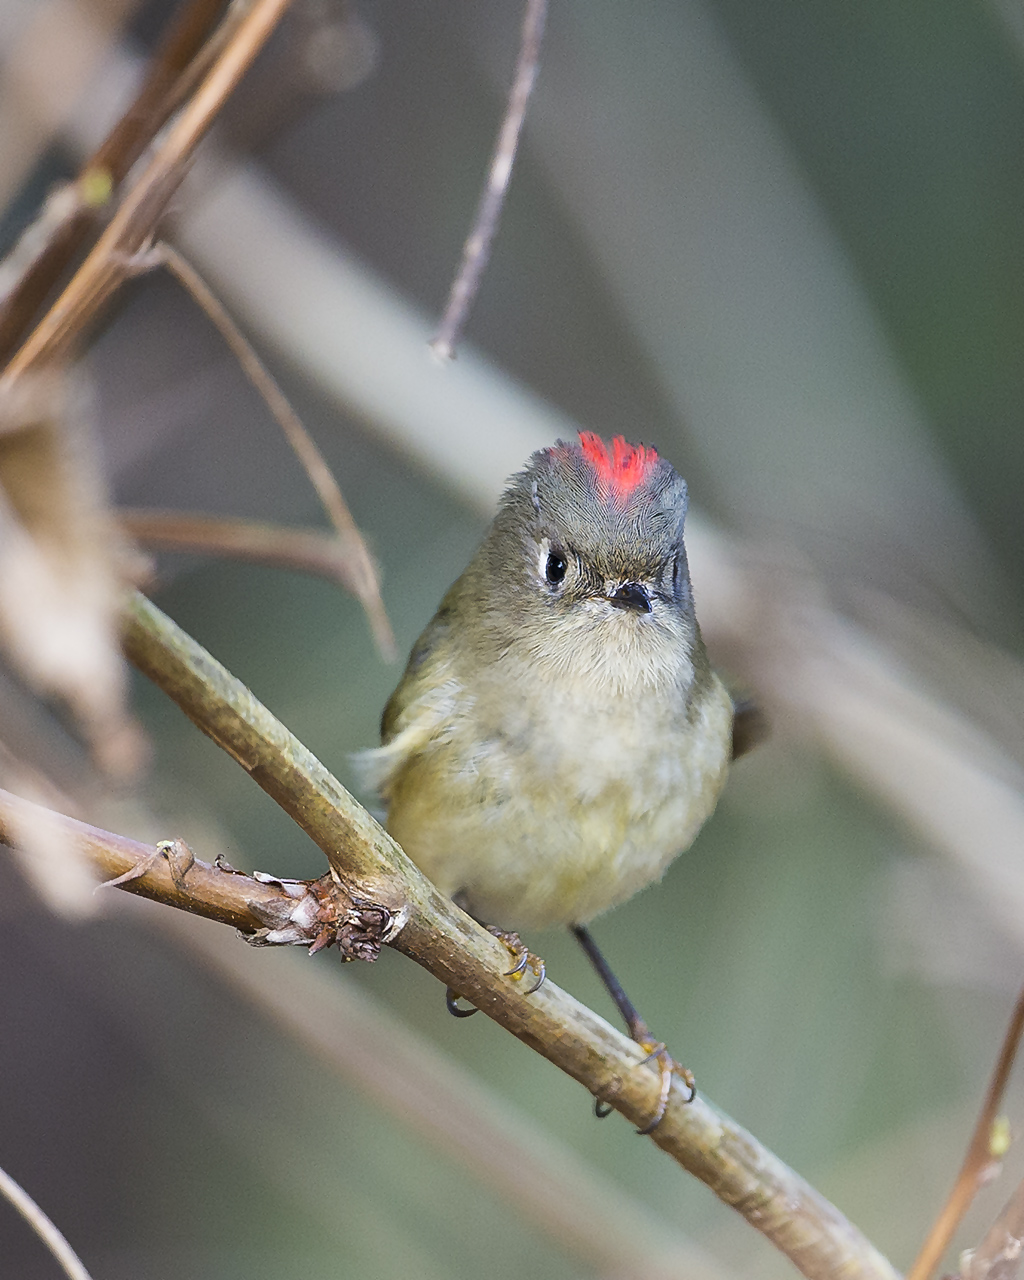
<point>461,954</point>
<point>979,1158</point>
<point>55,244</point>
<point>477,249</point>
<point>362,577</point>
<point>304,550</point>
<point>110,260</point>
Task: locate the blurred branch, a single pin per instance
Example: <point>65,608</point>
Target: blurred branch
<point>51,242</point>
<point>110,261</point>
<point>430,929</point>
<point>312,551</point>
<point>51,52</point>
<point>362,578</point>
<point>65,1256</point>
<point>768,619</point>
<point>978,1163</point>
<point>999,1255</point>
<point>477,249</point>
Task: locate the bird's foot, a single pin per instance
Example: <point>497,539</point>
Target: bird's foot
<point>523,957</point>
<point>667,1067</point>
<point>524,960</point>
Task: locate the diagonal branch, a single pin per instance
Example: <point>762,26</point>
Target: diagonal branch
<point>547,1186</point>
<point>370,867</point>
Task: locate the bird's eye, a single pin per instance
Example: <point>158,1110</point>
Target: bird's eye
<point>555,567</point>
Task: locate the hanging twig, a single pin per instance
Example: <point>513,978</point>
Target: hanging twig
<point>477,249</point>
<point>46,1230</point>
<point>362,579</point>
<point>979,1159</point>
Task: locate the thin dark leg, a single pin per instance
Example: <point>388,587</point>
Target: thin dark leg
<point>637,1031</point>
<point>635,1025</point>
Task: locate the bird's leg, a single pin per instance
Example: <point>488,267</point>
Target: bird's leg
<point>638,1031</point>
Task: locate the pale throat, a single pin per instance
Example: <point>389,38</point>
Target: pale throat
<point>601,653</point>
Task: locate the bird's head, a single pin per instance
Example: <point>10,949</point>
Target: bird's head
<point>585,562</point>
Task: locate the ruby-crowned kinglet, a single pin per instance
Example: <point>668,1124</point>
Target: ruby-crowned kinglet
<point>558,736</point>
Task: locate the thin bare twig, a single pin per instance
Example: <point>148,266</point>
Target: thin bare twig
<point>477,249</point>
<point>370,868</point>
<point>979,1158</point>
<point>363,579</point>
<point>46,1230</point>
<point>311,551</point>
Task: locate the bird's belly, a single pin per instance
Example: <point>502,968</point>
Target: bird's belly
<point>543,819</point>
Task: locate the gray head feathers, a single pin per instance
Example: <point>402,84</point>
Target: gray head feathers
<point>622,509</point>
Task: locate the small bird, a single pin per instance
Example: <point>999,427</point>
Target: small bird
<point>558,735</point>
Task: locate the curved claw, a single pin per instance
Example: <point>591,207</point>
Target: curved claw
<point>540,971</point>
<point>451,999</point>
<point>602,1109</point>
<point>523,956</point>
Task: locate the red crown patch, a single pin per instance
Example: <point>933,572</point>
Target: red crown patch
<point>619,472</point>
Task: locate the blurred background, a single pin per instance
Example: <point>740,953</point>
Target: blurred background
<point>781,241</point>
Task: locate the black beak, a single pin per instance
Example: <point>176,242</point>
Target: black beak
<point>631,595</point>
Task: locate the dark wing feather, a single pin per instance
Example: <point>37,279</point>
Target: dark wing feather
<point>749,727</point>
